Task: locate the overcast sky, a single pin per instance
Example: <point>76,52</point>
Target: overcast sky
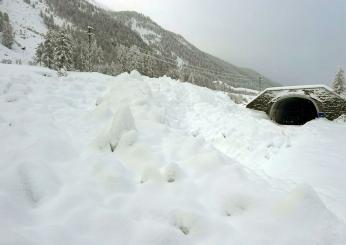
<point>290,41</point>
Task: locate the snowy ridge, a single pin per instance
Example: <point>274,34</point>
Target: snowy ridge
<point>94,159</point>
<point>174,47</point>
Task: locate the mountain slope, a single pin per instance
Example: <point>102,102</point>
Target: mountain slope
<point>128,40</point>
<point>174,46</point>
<point>28,29</point>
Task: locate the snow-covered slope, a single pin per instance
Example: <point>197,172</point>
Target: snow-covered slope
<point>93,159</point>
<point>28,29</point>
<point>127,28</point>
<point>174,46</point>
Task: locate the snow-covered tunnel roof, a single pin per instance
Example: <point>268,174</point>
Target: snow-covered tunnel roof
<point>329,102</point>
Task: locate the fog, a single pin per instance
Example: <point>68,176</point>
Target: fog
<point>290,41</point>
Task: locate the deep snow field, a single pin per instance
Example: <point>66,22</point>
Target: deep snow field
<point>93,159</point>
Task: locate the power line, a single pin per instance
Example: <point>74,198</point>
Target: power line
<point>228,76</point>
<point>201,68</point>
<point>174,64</point>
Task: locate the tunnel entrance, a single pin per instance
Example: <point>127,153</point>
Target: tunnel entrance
<point>294,111</point>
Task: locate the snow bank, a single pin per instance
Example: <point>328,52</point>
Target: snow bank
<point>165,170</point>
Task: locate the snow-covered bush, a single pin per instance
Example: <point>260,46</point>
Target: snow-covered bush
<point>6,61</point>
<point>62,72</point>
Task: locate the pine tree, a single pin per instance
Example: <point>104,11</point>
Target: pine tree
<point>1,21</point>
<point>80,54</point>
<point>39,54</point>
<point>173,73</point>
<point>191,78</point>
<point>121,56</point>
<point>62,55</point>
<point>7,33</point>
<point>134,59</point>
<point>96,56</point>
<point>45,53</point>
<point>85,56</point>
<point>93,56</point>
<point>339,84</point>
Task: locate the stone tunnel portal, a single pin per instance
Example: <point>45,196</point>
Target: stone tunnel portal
<point>293,111</point>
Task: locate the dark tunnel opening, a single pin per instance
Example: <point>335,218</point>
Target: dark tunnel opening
<point>294,111</point>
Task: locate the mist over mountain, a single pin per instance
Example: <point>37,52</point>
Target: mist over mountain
<point>128,40</point>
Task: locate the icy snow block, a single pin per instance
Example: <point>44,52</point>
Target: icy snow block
<point>122,123</point>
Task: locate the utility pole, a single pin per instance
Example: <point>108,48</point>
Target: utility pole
<point>90,34</point>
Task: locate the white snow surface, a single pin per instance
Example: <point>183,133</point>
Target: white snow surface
<point>300,87</point>
<point>148,36</point>
<point>94,159</point>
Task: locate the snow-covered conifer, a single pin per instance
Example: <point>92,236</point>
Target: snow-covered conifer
<point>93,56</point>
<point>1,21</point>
<point>191,78</point>
<point>85,57</point>
<point>45,51</point>
<point>62,54</point>
<point>339,84</point>
<point>7,32</point>
<point>39,54</point>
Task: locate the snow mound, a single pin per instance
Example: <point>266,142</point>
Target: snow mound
<point>168,179</point>
<point>122,126</point>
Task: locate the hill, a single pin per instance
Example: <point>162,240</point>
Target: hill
<point>128,41</point>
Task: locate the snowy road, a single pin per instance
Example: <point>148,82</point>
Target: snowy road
<point>188,166</point>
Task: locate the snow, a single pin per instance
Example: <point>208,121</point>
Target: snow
<point>148,36</point>
<point>95,159</point>
<point>321,143</point>
<point>180,62</point>
<point>28,28</point>
<point>243,90</point>
<point>300,87</point>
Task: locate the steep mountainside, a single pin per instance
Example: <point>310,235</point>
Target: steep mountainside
<point>28,29</point>
<point>174,46</point>
<point>128,40</point>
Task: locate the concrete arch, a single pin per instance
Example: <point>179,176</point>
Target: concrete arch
<point>294,109</point>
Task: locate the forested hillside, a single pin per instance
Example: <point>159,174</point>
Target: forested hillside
<point>195,64</point>
<point>125,41</point>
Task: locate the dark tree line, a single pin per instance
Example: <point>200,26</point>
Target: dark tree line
<point>69,49</point>
<point>114,48</point>
<point>6,30</point>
